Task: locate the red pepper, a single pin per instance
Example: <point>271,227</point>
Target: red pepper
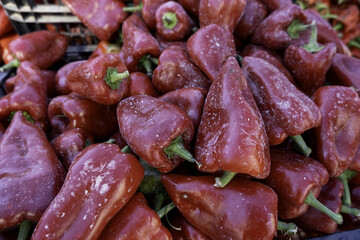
<point>153,128</point>
<point>4,43</point>
<point>70,143</point>
<point>225,13</point>
<point>176,71</point>
<point>148,12</point>
<point>5,26</point>
<point>190,99</point>
<point>27,93</point>
<point>163,44</point>
<point>104,47</point>
<point>277,4</point>
<point>104,79</point>
<point>140,84</point>
<point>231,135</point>
<point>191,6</point>
<point>172,22</point>
<point>103,18</point>
<point>338,135</point>
<point>355,163</point>
<point>244,209</point>
<point>254,13</point>
<point>30,174</point>
<point>60,78</point>
<point>285,109</point>
<point>209,47</point>
<point>137,221</point>
<point>74,111</point>
<point>99,183</point>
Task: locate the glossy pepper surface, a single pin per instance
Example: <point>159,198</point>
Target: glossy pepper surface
<point>42,48</point>
<point>71,143</point>
<point>136,221</point>
<point>176,71</point>
<point>74,111</point>
<point>184,230</point>
<point>191,6</point>
<point>276,4</point>
<point>231,135</point>
<point>209,47</point>
<point>148,12</point>
<point>140,84</point>
<point>150,125</point>
<point>242,210</point>
<point>225,13</point>
<point>27,93</point>
<point>293,177</point>
<point>285,109</point>
<point>105,47</point>
<point>99,183</point>
<point>104,79</point>
<point>103,18</point>
<point>338,135</point>
<point>5,26</point>
<point>62,87</point>
<point>31,174</point>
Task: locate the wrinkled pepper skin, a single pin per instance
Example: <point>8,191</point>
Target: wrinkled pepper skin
<point>190,99</point>
<point>31,175</point>
<point>74,111</point>
<point>136,221</point>
<point>209,47</point>
<point>148,12</point>
<point>231,135</point>
<point>138,41</point>
<point>225,13</point>
<point>272,31</point>
<point>42,48</point>
<point>242,210</point>
<point>28,92</point>
<point>61,86</point>
<point>268,55</point>
<point>71,143</point>
<point>293,177</point>
<point>176,71</point>
<point>88,79</point>
<point>285,109</point>
<point>254,13</point>
<point>330,196</point>
<point>104,47</point>
<point>186,230</point>
<point>5,26</point>
<point>183,26</point>
<point>140,84</point>
<point>338,136</point>
<point>309,69</point>
<point>103,18</point>
<point>99,183</point>
<point>149,125</point>
<point>276,4</point>
<point>344,71</point>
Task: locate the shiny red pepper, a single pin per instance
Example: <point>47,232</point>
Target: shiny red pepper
<point>30,173</point>
<point>244,209</point>
<point>99,183</point>
<point>60,78</point>
<point>5,26</point>
<point>338,136</point>
<point>149,126</point>
<point>4,43</point>
<point>70,143</point>
<point>138,221</point>
<point>231,135</point>
<point>74,111</point>
<point>104,79</point>
<point>285,109</point>
<point>103,17</point>
<point>140,84</point>
<point>104,47</point>
<point>183,230</point>
<point>176,71</point>
<point>148,12</point>
<point>209,47</point>
<point>191,6</point>
<point>276,4</point>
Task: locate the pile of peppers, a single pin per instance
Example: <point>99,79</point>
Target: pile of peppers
<point>194,119</point>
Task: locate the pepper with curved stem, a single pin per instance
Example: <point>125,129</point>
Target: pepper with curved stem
<point>296,27</point>
<point>149,63</point>
<point>166,209</point>
<point>169,20</point>
<point>287,228</point>
<point>177,148</point>
<point>301,144</point>
<point>344,178</point>
<point>350,210</point>
<point>13,64</point>
<point>313,46</point>
<point>136,8</point>
<point>114,79</point>
<point>24,230</point>
<point>224,179</point>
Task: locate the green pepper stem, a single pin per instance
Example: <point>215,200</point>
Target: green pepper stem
<point>239,59</point>
<point>222,181</point>
<point>159,200</point>
<point>24,230</point>
<point>166,209</point>
<point>169,20</point>
<point>147,62</point>
<point>113,78</point>
<point>295,28</point>
<point>338,27</point>
<point>313,45</point>
<point>13,64</point>
<point>126,149</point>
<point>288,228</point>
<point>354,43</point>
<point>136,8</point>
<point>111,140</point>
<point>177,148</point>
<point>312,201</point>
<point>300,143</point>
<point>349,210</point>
<point>344,178</point>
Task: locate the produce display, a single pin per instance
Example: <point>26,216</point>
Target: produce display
<point>192,119</point>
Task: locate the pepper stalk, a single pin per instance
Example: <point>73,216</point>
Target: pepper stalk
<point>169,20</point>
<point>13,64</point>
<point>287,228</point>
<point>147,62</point>
<point>114,79</point>
<point>24,230</point>
<point>136,8</point>
<point>301,144</point>
<point>344,178</point>
<point>296,27</point>
<point>313,46</point>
